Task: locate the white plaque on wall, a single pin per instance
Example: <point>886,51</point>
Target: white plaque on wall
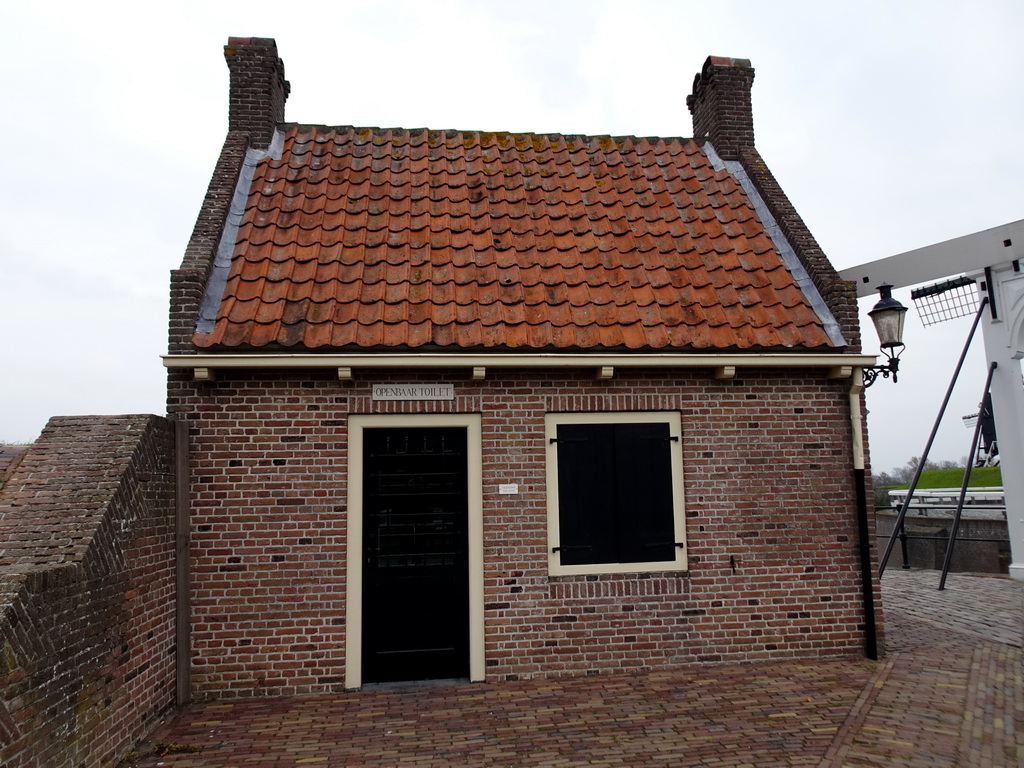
<point>413,392</point>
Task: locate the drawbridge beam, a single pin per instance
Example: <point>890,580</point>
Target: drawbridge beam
<point>970,253</point>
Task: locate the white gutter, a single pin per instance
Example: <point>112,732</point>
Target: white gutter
<point>856,418</point>
<point>841,366</point>
<point>863,526</point>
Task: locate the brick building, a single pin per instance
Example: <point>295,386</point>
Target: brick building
<point>489,405</point>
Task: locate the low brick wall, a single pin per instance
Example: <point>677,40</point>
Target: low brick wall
<point>983,546</point>
<point>86,592</point>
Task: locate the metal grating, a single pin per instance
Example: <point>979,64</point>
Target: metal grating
<point>947,300</point>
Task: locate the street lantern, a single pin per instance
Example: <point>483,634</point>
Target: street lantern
<point>888,316</point>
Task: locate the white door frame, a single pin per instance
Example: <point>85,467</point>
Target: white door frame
<point>354,576</point>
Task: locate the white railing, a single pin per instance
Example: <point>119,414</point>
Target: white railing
<point>944,500</point>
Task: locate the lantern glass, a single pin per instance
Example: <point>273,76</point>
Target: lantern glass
<point>888,316</point>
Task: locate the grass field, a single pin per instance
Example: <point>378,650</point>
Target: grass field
<point>954,478</point>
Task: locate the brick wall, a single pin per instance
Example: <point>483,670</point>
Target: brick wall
<point>839,295</point>
<point>86,592</point>
<point>10,457</point>
<point>982,545</point>
<point>771,525</point>
<point>188,283</point>
<point>256,103</point>
<point>258,88</point>
<point>721,107</point>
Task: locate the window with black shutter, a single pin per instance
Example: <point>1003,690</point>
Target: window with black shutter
<point>614,492</point>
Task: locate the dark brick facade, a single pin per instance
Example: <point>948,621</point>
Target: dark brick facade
<point>840,295</point>
<point>189,281</point>
<point>86,592</point>
<point>258,88</point>
<point>256,105</point>
<point>720,105</point>
<point>771,525</point>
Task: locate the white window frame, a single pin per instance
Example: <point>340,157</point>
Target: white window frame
<point>551,424</point>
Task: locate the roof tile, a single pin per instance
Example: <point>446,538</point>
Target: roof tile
<point>375,238</point>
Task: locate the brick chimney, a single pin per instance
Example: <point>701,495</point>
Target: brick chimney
<point>258,88</point>
<point>720,105</point>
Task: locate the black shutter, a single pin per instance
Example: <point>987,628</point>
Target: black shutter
<point>646,525</point>
<point>586,493</point>
<point>615,500</point>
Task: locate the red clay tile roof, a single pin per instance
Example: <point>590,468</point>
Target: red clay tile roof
<point>383,239</point>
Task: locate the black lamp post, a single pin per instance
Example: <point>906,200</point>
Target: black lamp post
<point>888,316</point>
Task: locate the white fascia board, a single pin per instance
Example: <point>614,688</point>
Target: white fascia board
<point>999,245</point>
<point>500,360</point>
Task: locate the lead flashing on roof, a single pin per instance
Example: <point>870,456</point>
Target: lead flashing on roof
<point>218,281</point>
<point>789,257</point>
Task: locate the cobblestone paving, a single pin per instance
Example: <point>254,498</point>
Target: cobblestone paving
<point>988,607</point>
<point>949,693</point>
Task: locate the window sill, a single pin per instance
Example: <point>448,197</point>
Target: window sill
<point>660,568</point>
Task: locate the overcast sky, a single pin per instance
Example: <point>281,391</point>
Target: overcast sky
<point>890,125</point>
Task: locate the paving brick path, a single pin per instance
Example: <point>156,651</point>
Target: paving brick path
<point>949,693</point>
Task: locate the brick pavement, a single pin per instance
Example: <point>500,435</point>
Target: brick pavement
<point>949,693</point>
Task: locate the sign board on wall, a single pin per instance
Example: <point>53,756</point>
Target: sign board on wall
<point>413,392</point>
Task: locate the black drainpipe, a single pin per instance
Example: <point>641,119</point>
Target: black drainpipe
<point>867,589</point>
<point>863,528</point>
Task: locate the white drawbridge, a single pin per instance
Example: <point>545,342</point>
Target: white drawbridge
<point>994,260</point>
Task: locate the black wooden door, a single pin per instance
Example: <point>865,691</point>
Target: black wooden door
<point>415,554</point>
